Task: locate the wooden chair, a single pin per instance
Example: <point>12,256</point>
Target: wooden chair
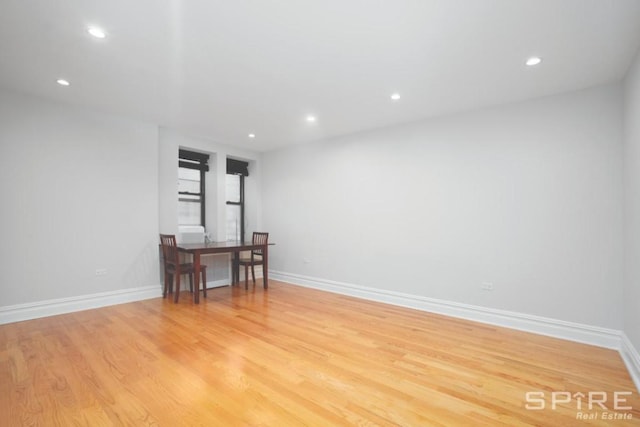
<point>173,268</point>
<point>258,239</point>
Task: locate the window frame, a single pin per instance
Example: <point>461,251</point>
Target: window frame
<point>198,161</point>
<point>240,168</point>
<point>241,204</point>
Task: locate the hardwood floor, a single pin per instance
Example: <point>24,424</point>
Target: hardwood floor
<point>295,356</point>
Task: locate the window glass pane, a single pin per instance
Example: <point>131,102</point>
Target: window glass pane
<point>233,188</point>
<point>189,205</point>
<point>233,222</point>
<point>192,174</point>
<point>188,180</point>
<point>188,212</point>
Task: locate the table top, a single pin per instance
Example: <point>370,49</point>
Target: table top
<point>218,246</point>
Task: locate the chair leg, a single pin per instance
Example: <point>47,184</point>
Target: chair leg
<point>253,275</point>
<point>191,282</point>
<point>177,294</point>
<point>170,284</point>
<point>166,284</point>
<point>246,277</point>
<point>204,283</point>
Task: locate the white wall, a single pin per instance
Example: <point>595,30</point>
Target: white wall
<point>632,203</point>
<point>526,196</point>
<point>79,192</point>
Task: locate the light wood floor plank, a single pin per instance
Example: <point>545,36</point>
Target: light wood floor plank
<point>292,356</point>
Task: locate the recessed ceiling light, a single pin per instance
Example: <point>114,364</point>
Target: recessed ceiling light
<point>97,32</point>
<point>252,135</point>
<point>63,82</point>
<point>311,119</point>
<point>534,60</point>
<point>395,96</point>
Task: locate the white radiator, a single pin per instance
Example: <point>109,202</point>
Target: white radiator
<point>190,234</point>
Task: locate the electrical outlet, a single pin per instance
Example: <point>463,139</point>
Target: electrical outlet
<point>486,286</point>
<point>101,271</point>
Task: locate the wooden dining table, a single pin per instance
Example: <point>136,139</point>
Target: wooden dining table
<point>234,247</point>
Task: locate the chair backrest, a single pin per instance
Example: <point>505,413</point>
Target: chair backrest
<point>259,238</point>
<point>169,249</point>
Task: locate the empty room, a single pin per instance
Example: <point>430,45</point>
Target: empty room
<point>297,213</point>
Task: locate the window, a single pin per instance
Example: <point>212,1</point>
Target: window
<point>191,187</point>
<point>236,172</point>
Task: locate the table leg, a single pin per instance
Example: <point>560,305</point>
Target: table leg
<point>196,279</point>
<point>265,266</point>
<point>235,269</point>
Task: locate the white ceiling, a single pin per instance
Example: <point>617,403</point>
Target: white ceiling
<point>222,69</point>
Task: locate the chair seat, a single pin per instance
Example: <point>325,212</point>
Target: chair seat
<point>247,261</point>
<point>186,268</point>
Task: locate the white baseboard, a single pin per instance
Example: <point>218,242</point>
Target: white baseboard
<point>35,310</point>
<point>20,312</point>
<point>587,334</point>
<point>631,358</point>
<point>602,337</point>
